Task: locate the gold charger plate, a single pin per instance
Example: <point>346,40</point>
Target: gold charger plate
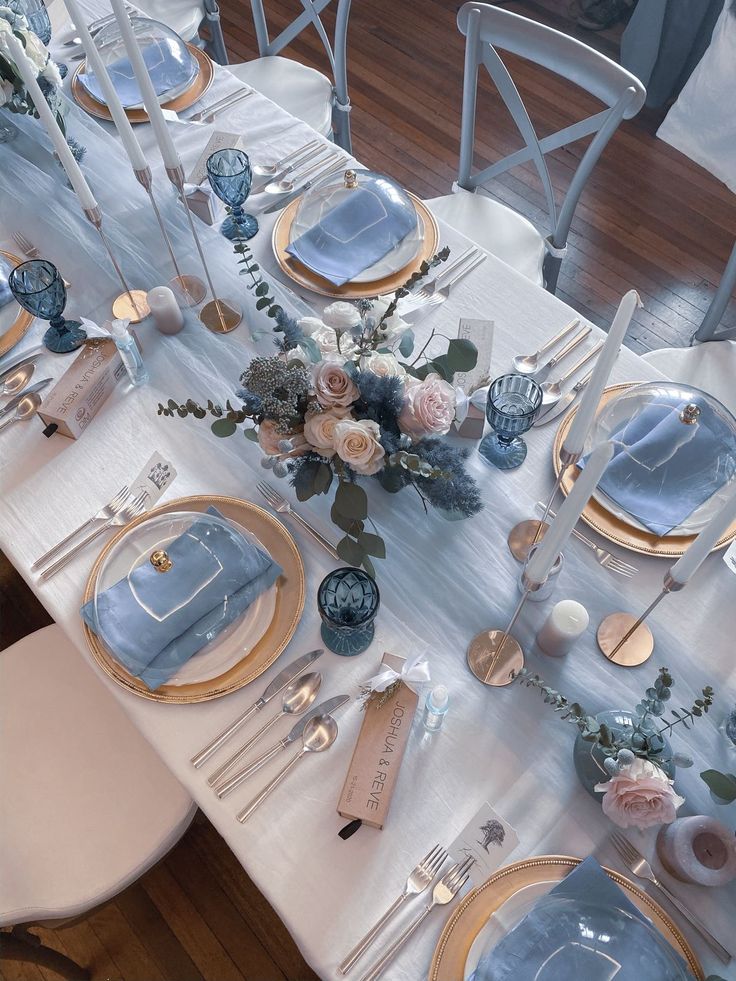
<point>607,524</point>
<point>195,91</point>
<point>350,291</point>
<point>19,327</point>
<point>289,603</point>
<point>474,911</point>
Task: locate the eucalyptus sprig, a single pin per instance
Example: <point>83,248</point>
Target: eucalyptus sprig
<point>258,284</point>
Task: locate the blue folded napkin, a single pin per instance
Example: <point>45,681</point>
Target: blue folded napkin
<point>153,622</point>
<point>169,63</point>
<point>356,234</point>
<point>539,941</point>
<point>663,469</point>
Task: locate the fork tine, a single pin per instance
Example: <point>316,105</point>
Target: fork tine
<point>430,857</point>
<point>437,862</point>
<point>268,493</point>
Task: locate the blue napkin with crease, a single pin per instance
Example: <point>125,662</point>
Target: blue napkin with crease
<point>153,622</point>
<point>357,233</point>
<point>169,63</point>
<point>539,941</point>
<point>658,473</point>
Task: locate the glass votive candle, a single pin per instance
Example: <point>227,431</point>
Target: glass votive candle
<point>547,587</point>
<point>348,601</point>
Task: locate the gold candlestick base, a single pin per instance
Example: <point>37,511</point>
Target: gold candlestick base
<point>189,290</point>
<point>523,535</point>
<point>483,652</point>
<point>637,649</point>
<point>132,306</point>
<point>220,316</point>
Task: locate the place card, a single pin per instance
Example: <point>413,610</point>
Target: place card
<point>730,557</point>
<point>480,332</point>
<point>153,479</point>
<point>489,839</point>
<point>218,141</point>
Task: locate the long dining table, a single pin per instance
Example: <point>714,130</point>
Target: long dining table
<point>441,583</point>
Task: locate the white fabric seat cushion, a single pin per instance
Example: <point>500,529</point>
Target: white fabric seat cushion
<point>498,229</point>
<point>87,805</point>
<point>300,90</point>
<point>710,367</point>
<point>182,17</point>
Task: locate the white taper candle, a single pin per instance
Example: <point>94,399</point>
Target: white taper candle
<point>96,65</point>
<point>568,516</point>
<point>29,76</point>
<point>583,419</point>
<point>150,100</point>
<point>703,545</point>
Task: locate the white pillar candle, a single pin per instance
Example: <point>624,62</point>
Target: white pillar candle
<point>583,419</point>
<point>566,622</point>
<point>165,310</point>
<point>698,849</point>
<point>150,100</point>
<point>61,147</point>
<point>95,64</point>
<point>703,545</point>
<point>568,516</point>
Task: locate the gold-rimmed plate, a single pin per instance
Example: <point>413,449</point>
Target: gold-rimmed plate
<point>300,274</point>
<point>196,90</point>
<point>609,525</point>
<point>288,608</point>
<point>14,320</point>
<point>474,911</point>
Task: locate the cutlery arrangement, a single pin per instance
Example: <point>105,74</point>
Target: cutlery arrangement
<point>270,170</point>
<point>329,167</point>
<point>211,112</point>
<point>30,251</point>
<point>542,373</point>
<point>605,559</point>
<point>282,506</point>
<point>282,184</point>
<point>552,390</point>
<point>287,165</point>
<point>564,403</point>
<point>527,364</point>
<point>25,410</point>
<point>108,510</point>
<point>13,381</point>
<point>31,357</point>
<point>437,291</point>
<point>13,404</point>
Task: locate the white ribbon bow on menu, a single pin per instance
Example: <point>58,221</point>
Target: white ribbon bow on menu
<point>414,673</point>
<point>477,399</point>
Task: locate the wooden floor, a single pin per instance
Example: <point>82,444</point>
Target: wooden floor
<point>649,218</point>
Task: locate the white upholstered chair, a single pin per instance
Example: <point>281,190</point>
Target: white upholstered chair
<point>86,806</point>
<point>535,253</point>
<point>186,17</point>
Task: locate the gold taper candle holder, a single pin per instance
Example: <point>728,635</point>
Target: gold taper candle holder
<point>130,304</point>
<point>625,639</point>
<point>524,535</point>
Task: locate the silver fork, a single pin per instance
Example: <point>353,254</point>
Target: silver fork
<point>128,513</point>
<point>419,879</point>
<point>282,506</point>
<point>30,251</point>
<point>444,892</point>
<point>636,863</point>
<point>443,293</point>
<point>428,288</point>
<point>109,510</point>
<point>606,559</point>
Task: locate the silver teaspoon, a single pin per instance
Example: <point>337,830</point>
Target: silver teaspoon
<point>527,364</point>
<point>25,410</point>
<point>287,184</point>
<point>17,379</point>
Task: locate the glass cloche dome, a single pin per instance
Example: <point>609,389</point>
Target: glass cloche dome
<point>171,65</point>
<point>674,462</point>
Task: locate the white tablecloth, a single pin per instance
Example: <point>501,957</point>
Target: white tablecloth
<point>441,583</point>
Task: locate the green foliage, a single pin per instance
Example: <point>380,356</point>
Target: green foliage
<point>723,785</point>
<point>349,512</point>
<point>258,284</point>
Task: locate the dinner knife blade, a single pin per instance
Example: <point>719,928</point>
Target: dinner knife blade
<point>29,358</point>
<point>324,708</point>
<point>290,672</point>
<point>15,401</point>
<point>297,193</point>
<point>563,405</point>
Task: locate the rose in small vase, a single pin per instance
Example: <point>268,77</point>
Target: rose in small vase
<point>639,794</point>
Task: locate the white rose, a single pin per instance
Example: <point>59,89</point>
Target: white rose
<point>356,443</point>
<point>35,50</point>
<point>327,341</point>
<point>341,316</point>
<point>310,324</point>
<point>51,73</point>
<point>319,429</point>
<point>394,326</point>
<point>384,365</point>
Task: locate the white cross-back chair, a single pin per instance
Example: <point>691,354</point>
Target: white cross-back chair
<point>499,229</point>
<point>187,17</point>
<point>304,92</point>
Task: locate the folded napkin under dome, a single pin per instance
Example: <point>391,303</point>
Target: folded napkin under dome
<point>154,621</point>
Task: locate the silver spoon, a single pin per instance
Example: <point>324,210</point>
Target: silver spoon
<point>297,698</point>
<point>552,391</point>
<point>17,379</point>
<point>286,185</point>
<point>268,170</point>
<point>527,364</point>
<point>25,410</point>
<point>319,734</point>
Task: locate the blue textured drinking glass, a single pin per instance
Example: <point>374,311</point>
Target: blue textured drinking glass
<point>38,18</point>
<point>513,405</point>
<point>348,601</point>
<point>230,177</point>
<point>38,287</point>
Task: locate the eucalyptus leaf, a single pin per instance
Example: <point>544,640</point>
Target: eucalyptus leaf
<point>723,785</point>
<point>352,501</point>
<point>305,479</point>
<point>372,544</point>
<point>322,478</point>
<point>223,427</point>
<point>350,552</point>
<point>462,354</point>
<point>406,345</point>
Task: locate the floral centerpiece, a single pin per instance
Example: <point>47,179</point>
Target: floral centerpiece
<point>345,398</point>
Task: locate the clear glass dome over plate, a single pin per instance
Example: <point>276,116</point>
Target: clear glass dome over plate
<point>387,198</point>
<point>171,65</point>
<point>674,460</point>
<point>166,599</point>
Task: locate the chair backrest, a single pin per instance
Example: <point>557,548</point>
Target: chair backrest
<point>337,52</point>
<point>719,303</point>
<point>487,29</point>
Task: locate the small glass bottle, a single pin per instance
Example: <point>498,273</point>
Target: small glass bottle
<point>435,708</point>
<point>129,352</point>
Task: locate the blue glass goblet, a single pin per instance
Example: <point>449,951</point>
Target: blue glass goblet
<point>348,601</point>
<point>38,287</point>
<point>38,18</point>
<point>230,178</point>
<point>513,405</point>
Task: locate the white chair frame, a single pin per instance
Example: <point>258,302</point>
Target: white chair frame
<point>487,28</point>
<point>714,314</point>
<point>214,26</point>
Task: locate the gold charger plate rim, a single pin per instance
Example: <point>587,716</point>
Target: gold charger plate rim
<point>19,328</point>
<point>614,529</point>
<point>184,100</point>
<point>214,687</point>
<point>560,864</point>
<point>350,291</point>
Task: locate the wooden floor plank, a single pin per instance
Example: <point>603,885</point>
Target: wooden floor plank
<point>130,954</point>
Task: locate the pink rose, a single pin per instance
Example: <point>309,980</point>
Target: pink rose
<point>269,438</point>
<point>333,386</point>
<point>429,408</point>
<point>640,795</point>
<point>319,429</point>
<point>357,444</point>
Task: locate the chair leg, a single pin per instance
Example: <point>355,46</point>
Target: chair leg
<point>20,945</point>
<point>707,329</point>
<point>550,272</point>
<point>214,29</point>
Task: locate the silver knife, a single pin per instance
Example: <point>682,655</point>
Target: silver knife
<point>565,402</point>
<point>293,195</point>
<point>29,358</point>
<point>233,782</point>
<point>13,403</point>
<point>277,685</point>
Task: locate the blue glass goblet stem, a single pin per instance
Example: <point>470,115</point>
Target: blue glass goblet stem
<point>348,601</point>
<point>230,176</point>
<point>513,404</point>
<point>39,288</point>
